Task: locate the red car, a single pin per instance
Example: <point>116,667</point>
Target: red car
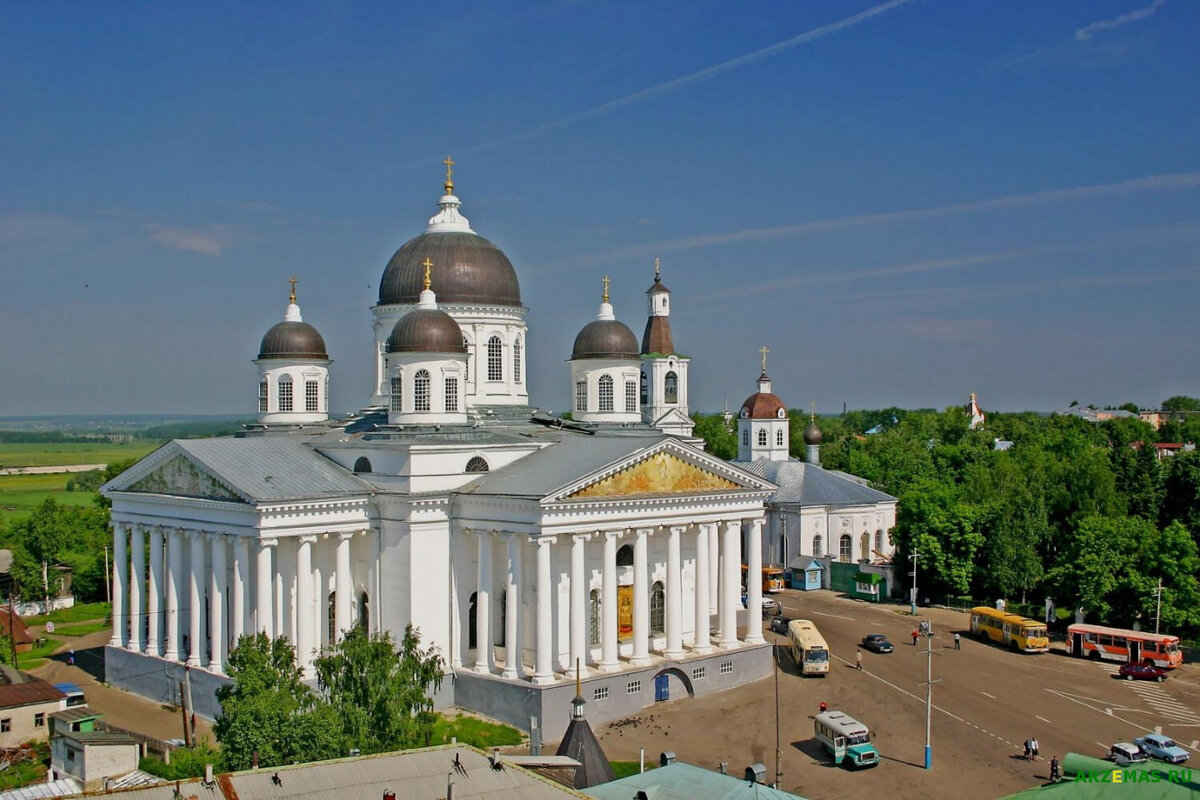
<point>1142,672</point>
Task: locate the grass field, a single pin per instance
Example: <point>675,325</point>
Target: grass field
<point>80,612</point>
<point>21,494</point>
<point>35,454</point>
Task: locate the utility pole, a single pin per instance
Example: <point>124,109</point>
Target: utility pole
<point>778,741</point>
<point>929,682</point>
<point>913,600</point>
<point>1158,609</point>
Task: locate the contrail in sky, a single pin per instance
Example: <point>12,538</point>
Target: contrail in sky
<point>687,80</point>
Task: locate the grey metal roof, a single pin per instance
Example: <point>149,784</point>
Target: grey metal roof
<point>63,787</point>
<point>810,485</point>
<point>273,468</point>
<point>681,781</point>
<point>416,773</point>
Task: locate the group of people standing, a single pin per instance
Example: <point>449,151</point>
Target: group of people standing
<point>1031,749</point>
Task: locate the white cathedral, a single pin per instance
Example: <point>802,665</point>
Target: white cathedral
<point>521,545</point>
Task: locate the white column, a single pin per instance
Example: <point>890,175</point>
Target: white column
<point>137,586</point>
<point>701,642</point>
<point>579,600</point>
<point>714,564</point>
<point>543,670</point>
<point>120,583</point>
<point>343,583</point>
<point>674,598</point>
<point>641,601</point>
<point>305,641</point>
<point>608,605</point>
<point>241,579</point>
<point>483,605</point>
<point>175,583</point>
<point>264,606</point>
<point>154,592</point>
<point>216,603</point>
<point>730,583</point>
<point>754,584</point>
<point>195,576</point>
<point>513,668</point>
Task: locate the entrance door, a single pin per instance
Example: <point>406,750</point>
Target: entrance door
<point>662,688</point>
<point>1077,644</point>
<point>1135,651</point>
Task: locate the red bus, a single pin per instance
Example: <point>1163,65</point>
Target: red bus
<point>1117,644</point>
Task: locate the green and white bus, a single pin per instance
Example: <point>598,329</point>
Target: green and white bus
<point>846,739</point>
<point>808,648</point>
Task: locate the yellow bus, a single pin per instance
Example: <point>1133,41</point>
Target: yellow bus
<point>1012,630</point>
<point>808,648</point>
<point>772,579</point>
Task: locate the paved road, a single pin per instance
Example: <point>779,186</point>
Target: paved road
<point>988,701</point>
<point>53,470</point>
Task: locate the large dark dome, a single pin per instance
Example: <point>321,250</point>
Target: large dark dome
<point>605,338</point>
<point>426,330</point>
<point>293,340</point>
<point>466,269</point>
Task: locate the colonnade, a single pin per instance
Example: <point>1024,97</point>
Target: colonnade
<point>718,561</point>
<point>174,612</point>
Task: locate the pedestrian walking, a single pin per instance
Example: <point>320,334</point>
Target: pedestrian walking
<point>1033,745</point>
<point>957,642</point>
<point>858,660</point>
<point>915,636</point>
<point>1028,748</point>
<point>1055,770</point>
<point>71,657</point>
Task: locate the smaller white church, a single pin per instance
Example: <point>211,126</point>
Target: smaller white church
<point>523,546</point>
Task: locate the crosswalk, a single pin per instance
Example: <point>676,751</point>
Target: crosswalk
<point>1154,695</point>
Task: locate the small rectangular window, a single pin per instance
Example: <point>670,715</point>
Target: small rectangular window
<point>262,397</point>
<point>600,693</point>
<point>5,725</point>
<point>39,720</point>
<point>633,687</point>
<point>285,395</point>
<point>726,667</point>
<point>312,396</point>
<point>451,394</point>
<point>70,755</point>
<point>397,395</point>
<point>495,359</point>
<point>581,395</point>
<point>698,673</point>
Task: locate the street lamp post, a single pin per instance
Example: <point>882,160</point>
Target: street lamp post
<point>913,599</point>
<point>929,682</point>
<point>1158,607</point>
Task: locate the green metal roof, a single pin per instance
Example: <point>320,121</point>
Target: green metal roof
<point>1150,781</point>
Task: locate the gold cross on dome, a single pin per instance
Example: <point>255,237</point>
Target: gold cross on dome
<point>428,265</point>
<point>606,288</point>
<point>764,352</point>
<point>449,162</point>
<point>657,267</point>
<point>293,282</point>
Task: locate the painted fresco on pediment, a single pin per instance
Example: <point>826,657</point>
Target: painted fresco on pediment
<point>184,478</point>
<point>662,473</point>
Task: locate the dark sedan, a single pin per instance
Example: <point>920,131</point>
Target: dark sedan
<point>780,625</point>
<point>877,643</point>
<point>1142,672</point>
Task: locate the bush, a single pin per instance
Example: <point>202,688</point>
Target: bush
<point>186,762</point>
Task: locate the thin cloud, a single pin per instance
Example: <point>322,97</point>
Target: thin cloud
<point>1088,31</point>
<point>209,242</point>
<point>676,84</point>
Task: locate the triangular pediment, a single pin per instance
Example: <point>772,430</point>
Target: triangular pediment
<point>661,473</point>
<point>182,477</point>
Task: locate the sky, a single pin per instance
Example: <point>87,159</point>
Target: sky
<point>905,201</point>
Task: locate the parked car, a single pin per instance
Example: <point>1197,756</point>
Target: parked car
<point>1142,672</point>
<point>780,625</point>
<point>1161,747</point>
<point>877,643</point>
<point>769,604</point>
<point>1123,754</point>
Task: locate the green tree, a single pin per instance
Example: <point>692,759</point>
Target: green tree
<point>1181,403</point>
<point>381,689</point>
<point>1093,561</point>
<point>933,522</point>
<point>718,438</point>
<point>1181,493</point>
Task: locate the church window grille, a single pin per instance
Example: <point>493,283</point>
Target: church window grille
<point>421,391</point>
<point>630,396</point>
<point>606,393</point>
<point>452,394</point>
<point>726,667</point>
<point>746,438</point>
<point>845,548</point>
<point>645,389</point>
<point>879,541</point>
<point>362,465</point>
<point>671,388</point>
<point>633,687</point>
<point>818,546</point>
<point>699,673</point>
<point>864,544</point>
<point>262,397</point>
<point>658,607</point>
<point>285,393</point>
<point>779,438</point>
<point>312,396</point>
<point>581,395</point>
<point>397,395</point>
<point>594,618</point>
<point>517,360</point>
<point>495,357</point>
<point>600,693</point>
<point>477,464</point>
<point>762,437</point>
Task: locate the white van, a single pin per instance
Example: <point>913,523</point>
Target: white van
<point>1124,754</point>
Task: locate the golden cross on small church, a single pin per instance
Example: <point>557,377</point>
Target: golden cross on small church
<point>657,267</point>
<point>449,162</point>
<point>605,288</point>
<point>428,265</point>
<point>764,352</point>
<point>293,282</point>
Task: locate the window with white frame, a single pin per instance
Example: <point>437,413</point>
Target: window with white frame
<point>879,541</point>
<point>606,393</point>
<point>671,388</point>
<point>495,357</point>
<point>631,390</point>
<point>699,673</point>
<point>397,404</point>
<point>312,396</point>
<point>581,395</point>
<point>845,548</point>
<point>657,608</point>
<point>633,687</point>
<point>762,437</point>
<point>285,393</point>
<point>746,438</point>
<point>779,438</point>
<point>818,546</point>
<point>600,693</point>
<point>262,397</point>
<point>726,667</point>
<point>452,394</point>
<point>517,360</point>
<point>421,390</point>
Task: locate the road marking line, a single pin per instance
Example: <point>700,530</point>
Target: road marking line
<point>835,616</point>
<point>1102,744</point>
<point>1043,719</point>
<point>1107,711</point>
<point>1195,742</point>
<point>985,694</point>
<point>903,691</point>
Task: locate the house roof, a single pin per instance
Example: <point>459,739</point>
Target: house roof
<point>580,743</point>
<point>806,484</point>
<point>19,632</point>
<point>681,781</point>
<point>63,787</point>
<point>97,738</point>
<point>22,689</point>
<point>75,714</point>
